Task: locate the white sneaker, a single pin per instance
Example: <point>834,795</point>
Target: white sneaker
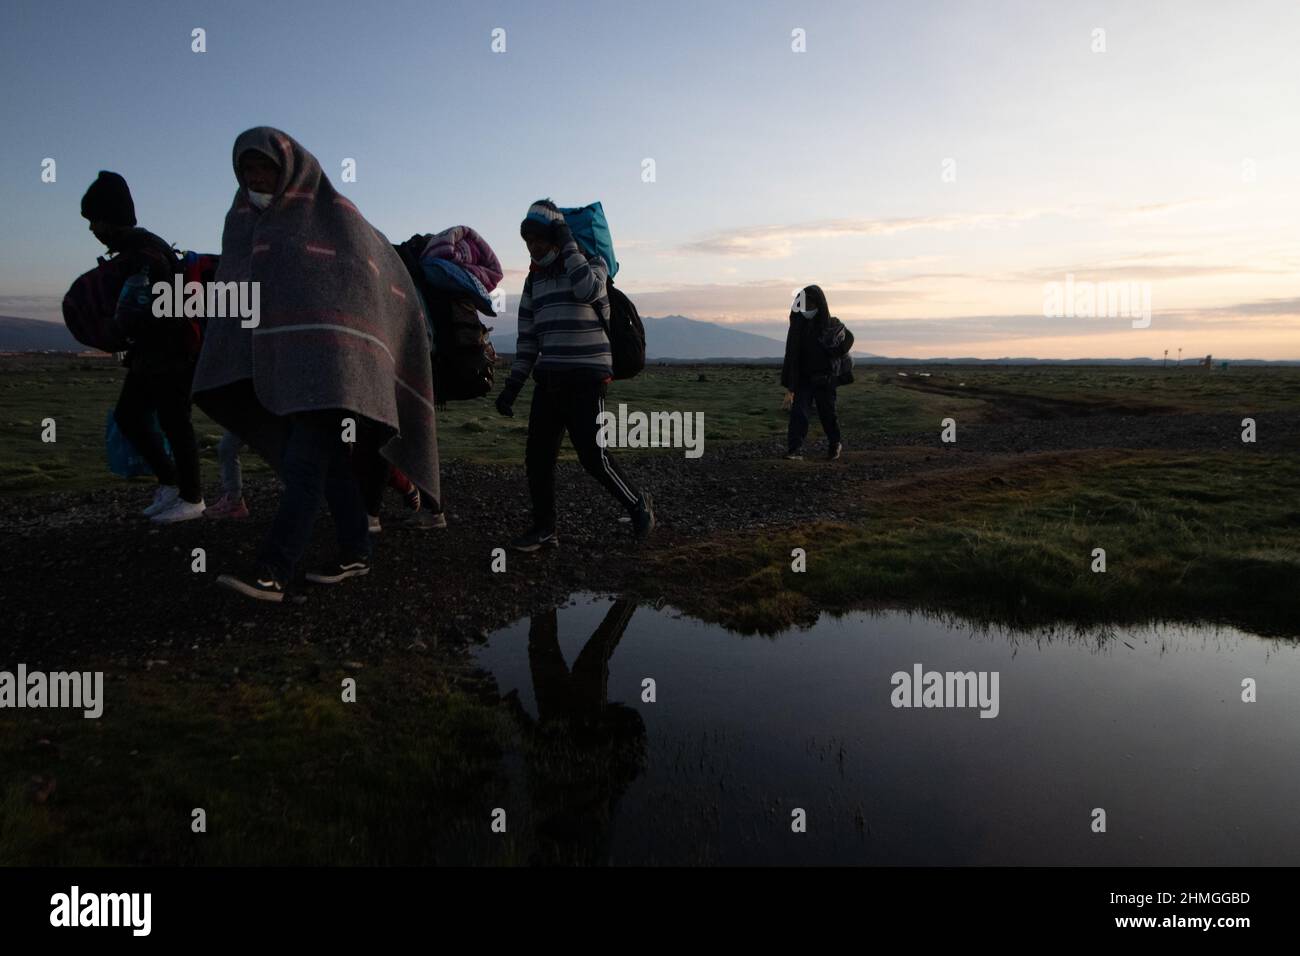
<point>375,526</point>
<point>182,510</point>
<point>163,498</point>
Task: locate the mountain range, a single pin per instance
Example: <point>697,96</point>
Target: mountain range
<point>672,339</point>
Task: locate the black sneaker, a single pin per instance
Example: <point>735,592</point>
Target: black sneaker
<point>833,453</point>
<point>340,571</point>
<point>422,520</point>
<point>534,539</point>
<point>643,518</point>
<point>262,586</point>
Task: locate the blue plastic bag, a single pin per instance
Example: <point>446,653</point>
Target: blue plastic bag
<point>591,230</point>
<point>123,458</point>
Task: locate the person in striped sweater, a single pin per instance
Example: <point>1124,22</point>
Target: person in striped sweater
<point>563,315</point>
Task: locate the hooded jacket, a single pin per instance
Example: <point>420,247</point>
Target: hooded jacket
<point>817,347</point>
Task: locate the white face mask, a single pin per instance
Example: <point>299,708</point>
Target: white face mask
<point>808,315</point>
<point>260,200</point>
<point>547,259</point>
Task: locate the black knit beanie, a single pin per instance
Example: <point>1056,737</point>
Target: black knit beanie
<point>109,199</point>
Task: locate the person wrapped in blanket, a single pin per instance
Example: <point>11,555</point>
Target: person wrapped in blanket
<point>337,355</point>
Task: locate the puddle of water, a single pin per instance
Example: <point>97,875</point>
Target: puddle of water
<point>1147,724</point>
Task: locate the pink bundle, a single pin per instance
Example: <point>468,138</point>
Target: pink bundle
<point>465,247</point>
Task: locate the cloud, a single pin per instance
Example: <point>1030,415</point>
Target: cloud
<point>775,241</point>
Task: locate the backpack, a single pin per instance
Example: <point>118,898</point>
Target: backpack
<point>198,267</point>
<point>463,357</point>
<point>843,369</point>
<point>626,334</point>
<point>841,365</point>
<point>90,305</point>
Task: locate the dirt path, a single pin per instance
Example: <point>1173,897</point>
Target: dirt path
<point>84,573</point>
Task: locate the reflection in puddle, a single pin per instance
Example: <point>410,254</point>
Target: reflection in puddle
<point>1145,723</point>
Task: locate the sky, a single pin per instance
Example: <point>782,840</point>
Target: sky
<point>935,167</point>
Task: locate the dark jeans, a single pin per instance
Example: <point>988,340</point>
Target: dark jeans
<point>371,469</point>
<point>167,394</point>
<point>315,461</point>
<point>572,407</point>
<point>806,394</point>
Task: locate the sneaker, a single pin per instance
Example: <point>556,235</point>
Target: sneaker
<point>163,498</point>
<point>227,506</point>
<point>375,526</point>
<point>643,518</point>
<point>262,586</point>
<point>340,571</point>
<point>423,520</point>
<point>793,455</point>
<point>182,510</point>
<point>534,539</point>
<point>833,453</point>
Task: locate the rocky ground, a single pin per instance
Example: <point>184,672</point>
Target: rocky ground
<point>85,575</point>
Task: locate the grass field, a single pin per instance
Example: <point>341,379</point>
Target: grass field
<point>738,404</point>
<point>287,773</point>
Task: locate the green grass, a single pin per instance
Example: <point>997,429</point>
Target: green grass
<point>286,774</point>
<point>1186,538</point>
<point>739,404</point>
<point>1241,389</point>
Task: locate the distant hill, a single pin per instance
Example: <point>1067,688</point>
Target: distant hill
<point>34,335</point>
<point>677,337</point>
<point>671,339</point>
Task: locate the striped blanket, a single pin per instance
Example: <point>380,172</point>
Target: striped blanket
<point>341,324</point>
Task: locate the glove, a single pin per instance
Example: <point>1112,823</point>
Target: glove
<point>506,400</point>
<point>560,233</point>
<point>788,400</point>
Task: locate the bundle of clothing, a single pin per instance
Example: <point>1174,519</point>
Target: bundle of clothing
<point>341,325</point>
<point>459,261</point>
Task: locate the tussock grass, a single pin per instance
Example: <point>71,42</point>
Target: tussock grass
<point>1186,537</point>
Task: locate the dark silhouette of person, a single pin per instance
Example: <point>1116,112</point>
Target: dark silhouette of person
<point>583,751</point>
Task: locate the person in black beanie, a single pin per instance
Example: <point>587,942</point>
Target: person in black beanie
<point>160,358</point>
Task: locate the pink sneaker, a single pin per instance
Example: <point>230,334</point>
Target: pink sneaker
<point>227,507</point>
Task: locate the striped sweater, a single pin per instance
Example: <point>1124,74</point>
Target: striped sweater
<point>563,314</point>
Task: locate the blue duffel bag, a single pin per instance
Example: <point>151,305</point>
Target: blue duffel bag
<point>591,230</point>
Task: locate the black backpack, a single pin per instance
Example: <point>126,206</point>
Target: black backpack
<point>464,360</point>
<point>626,334</point>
